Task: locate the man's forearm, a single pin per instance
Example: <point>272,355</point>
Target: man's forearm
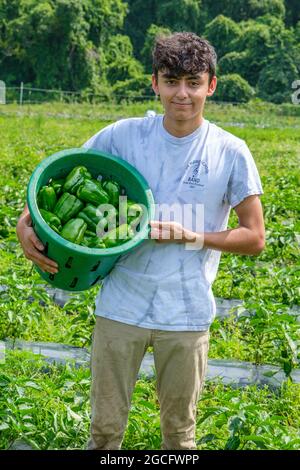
<point>240,240</point>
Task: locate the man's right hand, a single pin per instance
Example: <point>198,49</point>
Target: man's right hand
<point>32,246</point>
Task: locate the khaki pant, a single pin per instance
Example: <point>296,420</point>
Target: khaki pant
<point>180,362</point>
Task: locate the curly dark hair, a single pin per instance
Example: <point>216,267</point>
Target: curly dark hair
<point>183,53</point>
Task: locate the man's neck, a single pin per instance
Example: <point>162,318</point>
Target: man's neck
<point>181,128</point>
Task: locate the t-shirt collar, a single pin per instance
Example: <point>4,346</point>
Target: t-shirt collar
<point>181,140</point>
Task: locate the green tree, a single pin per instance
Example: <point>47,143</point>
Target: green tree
<point>176,15</point>
<point>234,62</point>
<point>152,32</point>
<point>276,78</point>
<point>133,87</point>
<point>11,52</point>
<point>233,88</point>
<point>104,17</point>
<point>121,65</point>
<point>58,43</point>
<point>256,40</point>
<point>271,57</point>
<point>240,10</point>
<point>223,33</point>
<point>292,12</point>
<point>263,7</point>
<point>141,14</point>
<point>297,32</point>
<point>179,15</point>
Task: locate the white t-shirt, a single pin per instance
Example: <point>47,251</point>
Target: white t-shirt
<point>165,286</point>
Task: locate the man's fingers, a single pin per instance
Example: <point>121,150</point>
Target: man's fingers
<point>36,242</point>
<point>160,235</point>
<point>46,264</point>
<point>163,224</point>
<point>33,247</point>
<point>155,233</point>
<point>156,223</point>
<point>39,258</point>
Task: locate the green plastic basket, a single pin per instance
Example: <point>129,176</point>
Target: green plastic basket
<point>80,267</point>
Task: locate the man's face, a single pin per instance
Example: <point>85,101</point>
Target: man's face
<point>183,98</point>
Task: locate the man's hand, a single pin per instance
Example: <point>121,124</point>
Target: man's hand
<point>32,246</point>
<point>174,232</point>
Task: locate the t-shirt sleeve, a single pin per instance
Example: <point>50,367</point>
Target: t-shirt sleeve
<point>101,141</point>
<point>244,180</point>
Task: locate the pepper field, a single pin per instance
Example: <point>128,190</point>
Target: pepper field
<point>46,406</point>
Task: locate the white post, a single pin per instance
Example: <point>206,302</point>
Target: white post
<point>2,92</point>
<point>21,93</point>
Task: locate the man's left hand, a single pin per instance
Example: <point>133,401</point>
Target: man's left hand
<point>170,232</point>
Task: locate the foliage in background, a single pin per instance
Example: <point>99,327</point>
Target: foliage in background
<point>234,88</point>
<point>95,45</point>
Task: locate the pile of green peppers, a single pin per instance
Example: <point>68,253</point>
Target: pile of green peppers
<point>70,207</point>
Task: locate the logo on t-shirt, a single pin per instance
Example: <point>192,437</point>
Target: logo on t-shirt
<point>196,174</point>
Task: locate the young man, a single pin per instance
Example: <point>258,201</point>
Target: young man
<point>160,294</point>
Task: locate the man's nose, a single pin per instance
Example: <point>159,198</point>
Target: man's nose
<point>182,90</point>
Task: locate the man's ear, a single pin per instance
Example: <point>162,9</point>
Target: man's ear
<point>155,85</point>
<point>212,86</point>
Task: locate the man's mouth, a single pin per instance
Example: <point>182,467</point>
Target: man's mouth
<point>182,104</point>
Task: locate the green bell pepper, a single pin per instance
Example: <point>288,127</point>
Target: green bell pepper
<point>89,233</point>
<point>86,241</point>
<point>46,198</point>
<point>92,242</point>
<point>109,221</point>
<point>97,243</point>
<point>117,236</point>
<point>130,212</point>
<point>57,185</point>
<point>75,178</point>
<point>67,207</point>
<point>74,230</point>
<point>91,191</point>
<point>134,212</point>
<point>91,215</point>
<point>51,219</point>
<point>113,190</point>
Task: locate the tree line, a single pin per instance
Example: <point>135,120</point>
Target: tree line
<point>104,46</point>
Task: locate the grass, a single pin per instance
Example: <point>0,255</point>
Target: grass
<point>254,113</point>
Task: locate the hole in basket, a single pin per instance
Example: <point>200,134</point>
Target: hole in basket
<point>94,268</point>
<point>45,251</point>
<point>138,228</point>
<point>74,282</point>
<point>51,276</point>
<point>69,262</point>
<point>96,280</point>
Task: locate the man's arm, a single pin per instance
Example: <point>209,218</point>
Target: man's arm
<point>248,238</point>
